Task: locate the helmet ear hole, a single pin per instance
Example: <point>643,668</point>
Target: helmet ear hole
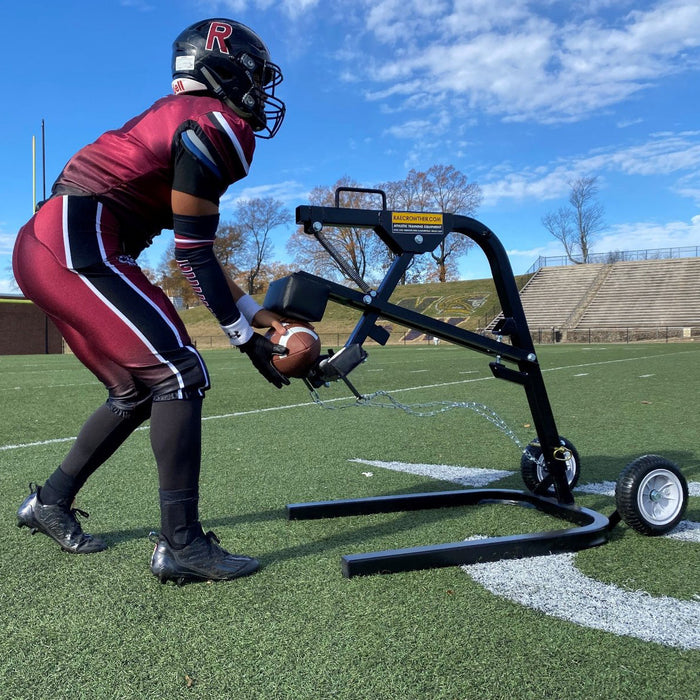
<point>225,74</point>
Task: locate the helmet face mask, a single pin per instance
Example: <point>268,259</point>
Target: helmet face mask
<point>231,62</point>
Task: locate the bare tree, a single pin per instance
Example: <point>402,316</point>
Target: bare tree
<point>360,248</point>
<point>560,224</point>
<point>576,226</point>
<point>410,194</point>
<point>269,273</point>
<point>452,193</point>
<point>441,188</point>
<point>256,218</point>
<point>228,247</point>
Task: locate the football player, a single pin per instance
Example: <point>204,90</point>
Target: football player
<point>76,258</point>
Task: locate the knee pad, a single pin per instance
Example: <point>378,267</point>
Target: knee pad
<point>132,406</point>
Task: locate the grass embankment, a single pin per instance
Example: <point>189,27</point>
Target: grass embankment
<point>468,303</point>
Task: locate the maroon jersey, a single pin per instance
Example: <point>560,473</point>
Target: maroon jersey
<point>132,169</point>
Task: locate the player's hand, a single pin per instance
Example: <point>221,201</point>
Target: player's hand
<point>260,351</point>
<point>268,319</point>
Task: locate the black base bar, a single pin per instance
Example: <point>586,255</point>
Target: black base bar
<point>591,529</point>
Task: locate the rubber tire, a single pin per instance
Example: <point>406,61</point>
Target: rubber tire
<point>634,489</point>
<point>533,471</point>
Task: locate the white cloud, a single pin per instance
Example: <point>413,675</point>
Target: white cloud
<point>413,129</point>
<point>8,286</point>
<point>503,58</point>
<point>7,242</point>
<point>652,235</point>
<point>625,123</point>
<point>295,8</point>
<point>7,282</point>
<point>663,154</point>
<point>289,192</point>
<point>529,184</point>
<point>691,192</point>
<point>550,249</point>
<point>292,8</point>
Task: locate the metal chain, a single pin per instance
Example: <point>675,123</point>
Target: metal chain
<point>349,271</point>
<point>374,400</point>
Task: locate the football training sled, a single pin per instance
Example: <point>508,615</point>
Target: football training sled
<point>651,493</point>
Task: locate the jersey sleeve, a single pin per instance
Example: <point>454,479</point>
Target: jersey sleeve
<point>210,153</point>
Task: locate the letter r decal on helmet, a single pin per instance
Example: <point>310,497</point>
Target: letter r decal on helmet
<point>232,63</point>
<point>218,33</point>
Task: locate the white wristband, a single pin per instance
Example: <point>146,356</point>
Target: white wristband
<point>239,331</point>
<point>248,307</point>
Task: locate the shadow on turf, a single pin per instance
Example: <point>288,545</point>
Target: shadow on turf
<point>404,521</point>
<point>356,539</point>
<point>595,468</point>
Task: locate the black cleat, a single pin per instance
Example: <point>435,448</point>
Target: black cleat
<point>58,522</point>
<point>201,560</point>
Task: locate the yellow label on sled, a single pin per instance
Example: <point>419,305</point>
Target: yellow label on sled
<point>416,222</point>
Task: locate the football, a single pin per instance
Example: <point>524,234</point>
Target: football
<point>303,348</point>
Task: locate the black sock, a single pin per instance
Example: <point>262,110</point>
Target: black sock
<point>59,488</point>
<point>180,516</point>
<point>176,439</point>
<point>176,429</point>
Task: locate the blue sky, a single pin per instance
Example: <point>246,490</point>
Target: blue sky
<point>520,95</point>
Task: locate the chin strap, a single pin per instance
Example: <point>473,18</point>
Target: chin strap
<point>221,95</point>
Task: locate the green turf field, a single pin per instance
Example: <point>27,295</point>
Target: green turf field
<point>101,626</point>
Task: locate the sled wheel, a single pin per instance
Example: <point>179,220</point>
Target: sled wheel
<point>534,470</point>
<point>651,495</point>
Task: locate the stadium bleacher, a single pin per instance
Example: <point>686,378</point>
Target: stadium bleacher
<point>625,294</point>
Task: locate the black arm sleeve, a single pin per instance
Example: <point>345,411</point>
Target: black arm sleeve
<point>194,253</point>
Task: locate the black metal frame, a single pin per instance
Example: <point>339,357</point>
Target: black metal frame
<point>591,530</point>
<point>408,234</point>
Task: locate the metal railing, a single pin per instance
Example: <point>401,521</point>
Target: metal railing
<point>619,256</point>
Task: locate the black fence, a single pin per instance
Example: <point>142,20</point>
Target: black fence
<point>623,334</point>
<point>540,336</point>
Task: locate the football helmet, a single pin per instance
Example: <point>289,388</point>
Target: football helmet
<point>230,61</point>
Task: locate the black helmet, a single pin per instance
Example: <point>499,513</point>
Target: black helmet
<point>230,61</point>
